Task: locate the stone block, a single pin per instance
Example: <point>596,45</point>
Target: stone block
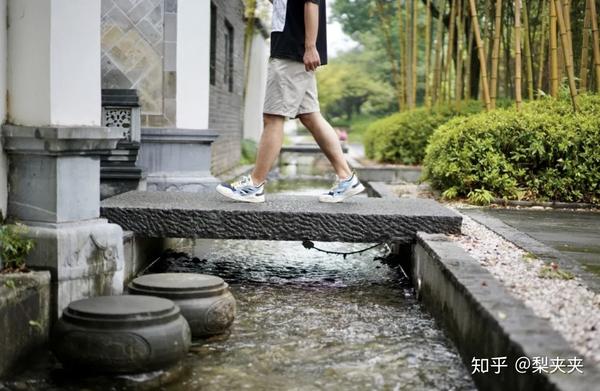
<point>54,189</point>
<point>187,215</point>
<point>85,258</point>
<point>176,152</point>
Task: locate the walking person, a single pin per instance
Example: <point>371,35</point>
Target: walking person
<point>298,48</point>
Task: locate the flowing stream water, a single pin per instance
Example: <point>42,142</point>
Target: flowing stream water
<point>305,321</point>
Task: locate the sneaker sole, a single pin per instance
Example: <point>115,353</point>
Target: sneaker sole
<point>352,192</point>
<point>236,197</point>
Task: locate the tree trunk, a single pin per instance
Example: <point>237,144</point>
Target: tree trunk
<point>482,57</point>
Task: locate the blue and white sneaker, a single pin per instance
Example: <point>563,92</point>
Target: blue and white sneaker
<point>343,189</point>
<point>243,190</point>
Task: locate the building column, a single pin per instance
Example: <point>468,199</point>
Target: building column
<point>54,139</point>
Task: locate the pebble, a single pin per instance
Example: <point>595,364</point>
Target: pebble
<point>571,308</point>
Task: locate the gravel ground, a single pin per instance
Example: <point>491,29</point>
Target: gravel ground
<point>570,307</point>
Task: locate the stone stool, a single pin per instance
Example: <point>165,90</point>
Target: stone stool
<point>205,301</point>
<point>121,334</point>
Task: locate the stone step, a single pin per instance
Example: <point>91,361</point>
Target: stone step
<point>209,215</point>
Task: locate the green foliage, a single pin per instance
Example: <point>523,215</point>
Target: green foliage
<point>356,127</point>
<point>545,152</point>
<point>346,89</point>
<point>552,271</point>
<point>13,247</point>
<point>402,137</point>
<point>249,148</point>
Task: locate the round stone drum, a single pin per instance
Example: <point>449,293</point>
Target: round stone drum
<point>205,301</point>
<point>121,334</point>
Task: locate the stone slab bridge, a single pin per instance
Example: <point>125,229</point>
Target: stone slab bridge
<point>209,216</point>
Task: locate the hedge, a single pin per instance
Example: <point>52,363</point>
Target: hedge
<point>402,137</point>
<point>545,153</point>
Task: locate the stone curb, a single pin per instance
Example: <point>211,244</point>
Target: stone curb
<point>485,321</point>
<point>533,246</point>
<point>545,204</point>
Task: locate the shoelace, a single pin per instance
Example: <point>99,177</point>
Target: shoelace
<point>242,182</point>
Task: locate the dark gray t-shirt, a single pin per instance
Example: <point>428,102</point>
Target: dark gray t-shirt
<point>287,36</point>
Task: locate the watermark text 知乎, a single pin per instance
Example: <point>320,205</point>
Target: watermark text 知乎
<point>524,364</point>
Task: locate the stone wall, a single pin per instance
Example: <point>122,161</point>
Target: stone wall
<point>226,111</point>
<point>24,317</point>
<point>139,51</point>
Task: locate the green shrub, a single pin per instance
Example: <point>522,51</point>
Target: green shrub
<point>249,148</point>
<point>545,152</point>
<point>402,137</point>
<point>13,246</point>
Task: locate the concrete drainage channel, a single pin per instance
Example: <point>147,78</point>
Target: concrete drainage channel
<point>487,323</point>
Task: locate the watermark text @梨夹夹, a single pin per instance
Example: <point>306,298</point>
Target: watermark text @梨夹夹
<point>524,364</point>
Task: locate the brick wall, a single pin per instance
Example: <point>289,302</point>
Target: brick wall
<point>226,112</point>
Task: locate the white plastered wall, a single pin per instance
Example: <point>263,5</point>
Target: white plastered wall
<point>193,63</point>
<point>54,62</point>
<point>255,94</point>
<point>3,102</point>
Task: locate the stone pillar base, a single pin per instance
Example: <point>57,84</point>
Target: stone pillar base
<point>177,159</point>
<point>84,258</point>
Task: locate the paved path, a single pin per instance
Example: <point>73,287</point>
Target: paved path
<point>573,233</point>
<point>195,215</point>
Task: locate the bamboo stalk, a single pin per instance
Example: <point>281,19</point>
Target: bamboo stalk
<point>568,59</point>
<point>528,55</point>
<point>385,28</point>
<point>449,49</point>
<point>553,51</point>
<point>596,41</point>
<point>439,34</point>
<point>408,51</point>
<point>542,56</point>
<point>415,49</point>
<point>518,96</point>
<point>458,94</point>
<point>469,56</point>
<point>428,21</point>
<point>482,57</point>
<point>585,49</point>
<point>496,53</point>
<point>401,65</point>
<point>567,18</point>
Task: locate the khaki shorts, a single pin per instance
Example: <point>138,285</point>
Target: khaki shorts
<point>291,90</point>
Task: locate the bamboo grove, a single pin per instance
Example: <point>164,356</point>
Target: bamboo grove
<point>450,50</point>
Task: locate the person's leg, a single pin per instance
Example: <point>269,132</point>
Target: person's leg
<point>269,147</point>
<point>328,141</point>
